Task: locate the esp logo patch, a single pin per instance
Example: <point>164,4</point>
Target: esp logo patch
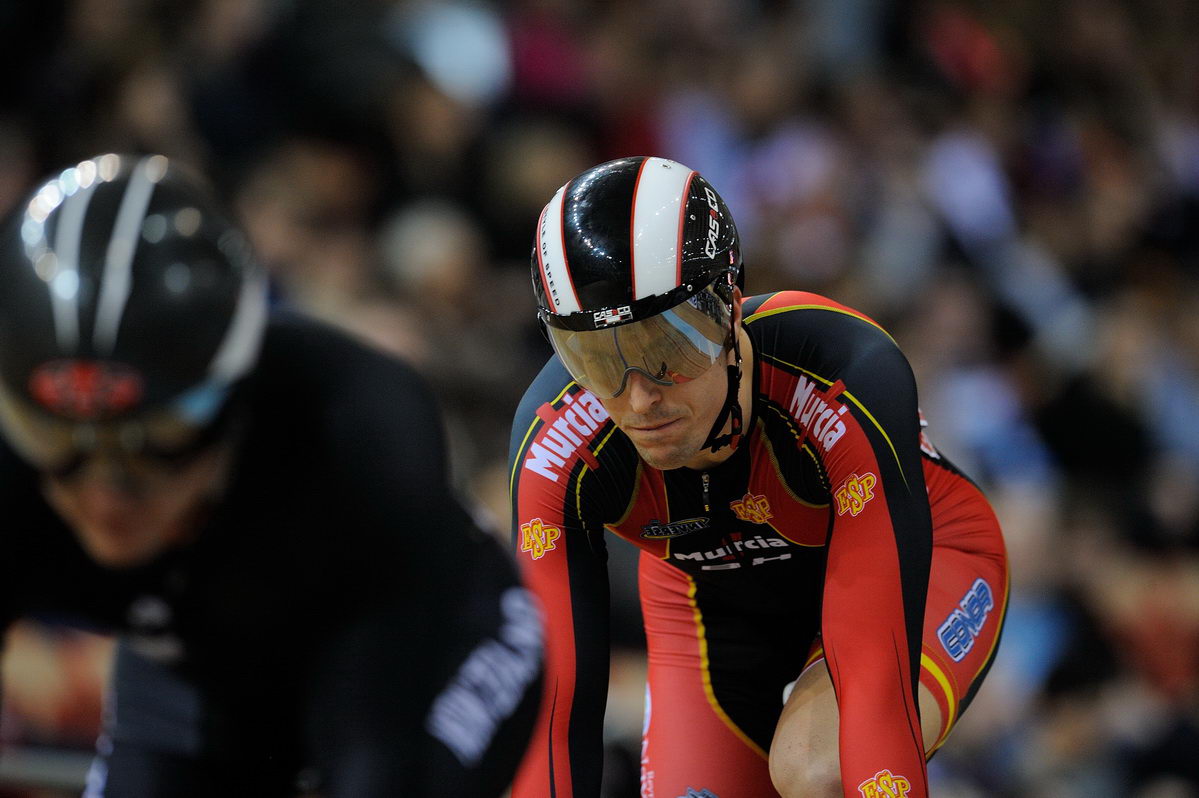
<point>537,538</point>
<point>884,785</point>
<point>855,493</point>
<point>755,509</point>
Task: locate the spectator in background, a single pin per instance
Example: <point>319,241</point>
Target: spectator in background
<point>302,604</point>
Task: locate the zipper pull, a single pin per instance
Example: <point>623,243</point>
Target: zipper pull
<point>706,480</point>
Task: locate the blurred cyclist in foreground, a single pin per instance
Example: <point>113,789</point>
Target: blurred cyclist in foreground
<point>822,590</point>
<point>257,506</point>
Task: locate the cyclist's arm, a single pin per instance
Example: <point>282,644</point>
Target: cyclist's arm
<point>428,679</point>
<point>435,695</point>
<point>562,555</point>
<point>877,574</point>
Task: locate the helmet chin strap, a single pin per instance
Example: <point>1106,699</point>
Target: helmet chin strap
<point>732,405</point>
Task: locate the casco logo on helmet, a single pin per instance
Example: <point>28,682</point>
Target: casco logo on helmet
<point>610,316</point>
<point>85,390</point>
<point>710,247</point>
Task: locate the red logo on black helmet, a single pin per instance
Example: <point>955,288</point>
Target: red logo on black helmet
<point>86,390</point>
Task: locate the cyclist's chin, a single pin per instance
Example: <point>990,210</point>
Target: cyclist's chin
<point>666,456</point>
<point>123,545</point>
<point>118,529</point>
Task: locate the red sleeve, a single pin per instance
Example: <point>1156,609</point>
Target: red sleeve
<point>876,577</point>
<point>562,557</point>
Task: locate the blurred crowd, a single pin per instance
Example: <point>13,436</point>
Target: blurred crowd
<point>1011,188</point>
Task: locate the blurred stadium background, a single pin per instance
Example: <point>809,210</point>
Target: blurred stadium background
<point>1011,188</point>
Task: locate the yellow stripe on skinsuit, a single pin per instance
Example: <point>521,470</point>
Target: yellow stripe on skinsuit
<point>804,447</point>
<point>521,451</point>
<point>1007,591</point>
<point>707,676</point>
<point>778,469</point>
<point>632,500</point>
<point>929,665</point>
<point>859,405</point>
<point>584,470</point>
<point>764,313</point>
<point>927,661</point>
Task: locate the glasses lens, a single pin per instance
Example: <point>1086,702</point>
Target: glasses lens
<point>40,439</point>
<point>157,439</point>
<point>672,347</point>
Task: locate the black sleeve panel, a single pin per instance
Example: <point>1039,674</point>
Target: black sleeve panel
<point>853,395</point>
<point>437,700</point>
<point>570,472</point>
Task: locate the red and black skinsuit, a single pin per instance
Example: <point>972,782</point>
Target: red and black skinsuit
<point>835,529</point>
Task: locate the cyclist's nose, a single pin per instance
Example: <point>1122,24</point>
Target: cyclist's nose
<point>106,476</point>
<point>643,392</point>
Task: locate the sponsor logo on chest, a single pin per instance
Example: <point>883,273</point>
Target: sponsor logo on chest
<point>737,551</point>
<point>752,508</point>
<point>150,620</point>
<point>656,530</point>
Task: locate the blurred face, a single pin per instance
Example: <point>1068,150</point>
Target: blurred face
<point>126,515</point>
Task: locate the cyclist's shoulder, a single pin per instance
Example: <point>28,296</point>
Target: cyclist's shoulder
<point>561,428</point>
<point>802,339</point>
<point>299,345</point>
<point>798,308</point>
<point>787,324</point>
<point>316,371</point>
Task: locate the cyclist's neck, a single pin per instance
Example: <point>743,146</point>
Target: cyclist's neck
<point>706,458</point>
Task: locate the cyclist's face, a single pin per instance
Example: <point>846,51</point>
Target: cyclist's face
<point>125,516</point>
<point>669,423</point>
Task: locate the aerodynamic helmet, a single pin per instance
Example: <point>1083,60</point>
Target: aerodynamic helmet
<point>129,309</point>
<point>633,267</point>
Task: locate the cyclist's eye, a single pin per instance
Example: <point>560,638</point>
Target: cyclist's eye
<point>662,372</point>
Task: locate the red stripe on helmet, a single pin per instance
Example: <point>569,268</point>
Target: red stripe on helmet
<point>545,281</point>
<point>562,233</point>
<point>678,258</point>
<point>632,231</point>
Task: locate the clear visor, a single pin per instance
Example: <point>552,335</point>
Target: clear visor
<point>145,442</point>
<point>669,348</point>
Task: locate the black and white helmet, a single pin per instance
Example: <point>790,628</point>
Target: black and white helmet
<point>627,239</point>
<point>633,267</point>
<point>129,308</point>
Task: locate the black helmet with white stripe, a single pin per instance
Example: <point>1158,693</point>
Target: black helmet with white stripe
<point>633,266</point>
<point>628,239</point>
<point>129,309</point>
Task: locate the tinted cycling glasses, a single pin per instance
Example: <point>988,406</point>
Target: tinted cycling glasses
<point>155,441</point>
<point>669,348</point>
